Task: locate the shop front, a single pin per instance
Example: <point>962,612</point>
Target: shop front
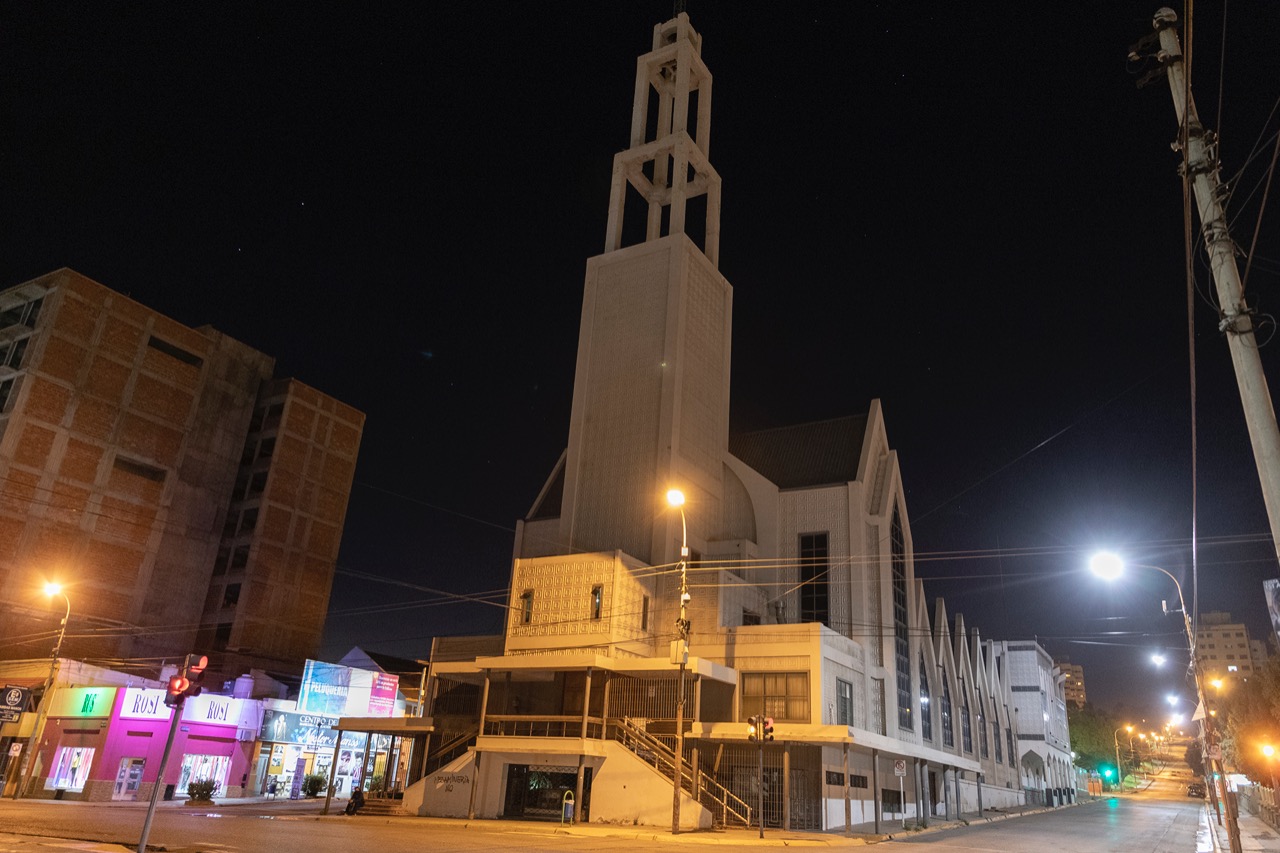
<point>74,738</point>
<point>295,744</point>
<point>214,741</point>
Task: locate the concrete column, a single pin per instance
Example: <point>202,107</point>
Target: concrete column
<point>475,785</point>
<point>848,807</point>
<point>333,769</point>
<point>604,705</point>
<point>926,791</point>
<point>959,803</point>
<point>786,786</point>
<point>586,703</point>
<point>577,788</point>
<point>946,795</point>
<point>920,817</point>
<point>876,801</point>
<point>979,783</point>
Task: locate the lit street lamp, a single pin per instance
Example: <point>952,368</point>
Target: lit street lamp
<point>680,650</point>
<point>1110,567</point>
<point>1115,740</point>
<point>50,589</point>
<point>1270,752</point>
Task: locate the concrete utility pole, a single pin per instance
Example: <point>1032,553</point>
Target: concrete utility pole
<point>1236,320</point>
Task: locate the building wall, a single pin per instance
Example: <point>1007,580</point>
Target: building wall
<point>116,461</point>
<point>279,549</point>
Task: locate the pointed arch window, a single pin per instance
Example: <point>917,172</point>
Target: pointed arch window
<point>982,729</point>
<point>948,733</point>
<point>966,728</point>
<point>995,734</point>
<point>926,714</point>
<point>901,645</point>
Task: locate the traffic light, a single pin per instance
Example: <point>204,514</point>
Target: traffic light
<point>194,669</point>
<point>766,729</point>
<point>751,729</point>
<point>177,689</point>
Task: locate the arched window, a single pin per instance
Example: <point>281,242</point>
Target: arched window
<point>966,729</point>
<point>948,734</point>
<point>995,733</point>
<point>926,716</point>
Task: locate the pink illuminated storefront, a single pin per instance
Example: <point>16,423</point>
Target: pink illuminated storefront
<point>105,743</point>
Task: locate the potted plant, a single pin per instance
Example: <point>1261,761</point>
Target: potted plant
<point>200,792</point>
<point>313,784</point>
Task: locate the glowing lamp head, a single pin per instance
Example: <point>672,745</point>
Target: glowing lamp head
<point>1217,683</point>
<point>52,588</point>
<point>1106,565</point>
<point>675,497</point>
<point>1157,659</point>
<point>1128,728</point>
<point>1268,750</point>
<point>1171,699</point>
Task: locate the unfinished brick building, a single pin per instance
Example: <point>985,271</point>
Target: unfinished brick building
<point>179,493</point>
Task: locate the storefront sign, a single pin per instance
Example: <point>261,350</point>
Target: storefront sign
<point>340,691</point>
<point>82,702</point>
<point>12,703</point>
<point>222,711</point>
<point>312,731</point>
<point>142,703</point>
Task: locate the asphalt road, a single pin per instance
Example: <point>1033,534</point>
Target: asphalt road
<point>1159,820</point>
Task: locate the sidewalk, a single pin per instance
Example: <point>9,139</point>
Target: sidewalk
<point>1255,835</point>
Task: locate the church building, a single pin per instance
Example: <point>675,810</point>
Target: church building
<point>758,647</point>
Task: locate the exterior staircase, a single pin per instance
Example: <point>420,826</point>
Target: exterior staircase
<point>727,809</point>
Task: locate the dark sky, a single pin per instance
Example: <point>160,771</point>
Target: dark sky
<point>967,211</point>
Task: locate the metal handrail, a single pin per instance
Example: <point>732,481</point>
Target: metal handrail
<point>662,758</point>
<point>449,751</point>
<point>500,725</point>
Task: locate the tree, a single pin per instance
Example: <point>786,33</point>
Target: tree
<point>1091,736</point>
<point>1249,717</point>
<point>1194,757</point>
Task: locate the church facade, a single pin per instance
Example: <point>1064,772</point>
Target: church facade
<point>645,642</point>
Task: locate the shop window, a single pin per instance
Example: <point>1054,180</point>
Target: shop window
<point>198,767</point>
<point>70,768</point>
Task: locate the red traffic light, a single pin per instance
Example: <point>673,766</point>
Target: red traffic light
<point>196,665</point>
<point>178,685</point>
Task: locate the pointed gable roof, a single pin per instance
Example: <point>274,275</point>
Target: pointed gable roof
<point>821,453</point>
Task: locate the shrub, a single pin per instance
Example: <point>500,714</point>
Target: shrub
<point>201,789</point>
<point>314,783</point>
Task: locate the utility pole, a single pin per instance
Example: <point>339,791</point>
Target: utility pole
<point>1236,319</point>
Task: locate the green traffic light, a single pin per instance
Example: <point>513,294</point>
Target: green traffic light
<point>1106,771</point>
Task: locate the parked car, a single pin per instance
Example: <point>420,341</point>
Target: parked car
<point>1195,789</point>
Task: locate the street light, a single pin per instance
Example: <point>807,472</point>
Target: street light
<point>1110,567</point>
<point>1270,751</point>
<point>1115,741</point>
<point>1158,660</point>
<point>680,650</point>
<point>51,589</point>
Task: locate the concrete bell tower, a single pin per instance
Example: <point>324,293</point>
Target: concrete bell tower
<point>651,389</point>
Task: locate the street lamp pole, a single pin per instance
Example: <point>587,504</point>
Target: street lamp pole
<point>24,779</point>
<point>680,650</point>
<point>1115,741</point>
<point>1110,567</point>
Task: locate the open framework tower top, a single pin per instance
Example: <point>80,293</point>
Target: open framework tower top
<point>672,167</point>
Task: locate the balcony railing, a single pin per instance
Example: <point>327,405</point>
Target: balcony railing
<point>537,726</point>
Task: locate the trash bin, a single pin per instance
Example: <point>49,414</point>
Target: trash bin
<point>169,791</point>
<point>566,804</point>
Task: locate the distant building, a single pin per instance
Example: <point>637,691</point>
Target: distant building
<point>1223,647</point>
<point>1040,703</point>
<point>137,468</point>
<point>1073,685</point>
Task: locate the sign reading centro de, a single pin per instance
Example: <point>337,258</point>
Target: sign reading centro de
<point>340,691</point>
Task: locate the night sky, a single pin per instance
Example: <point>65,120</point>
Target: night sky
<point>967,211</point>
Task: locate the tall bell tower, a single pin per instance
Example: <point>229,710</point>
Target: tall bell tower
<point>651,388</point>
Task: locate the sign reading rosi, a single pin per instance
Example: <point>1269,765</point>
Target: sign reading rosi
<point>148,704</point>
